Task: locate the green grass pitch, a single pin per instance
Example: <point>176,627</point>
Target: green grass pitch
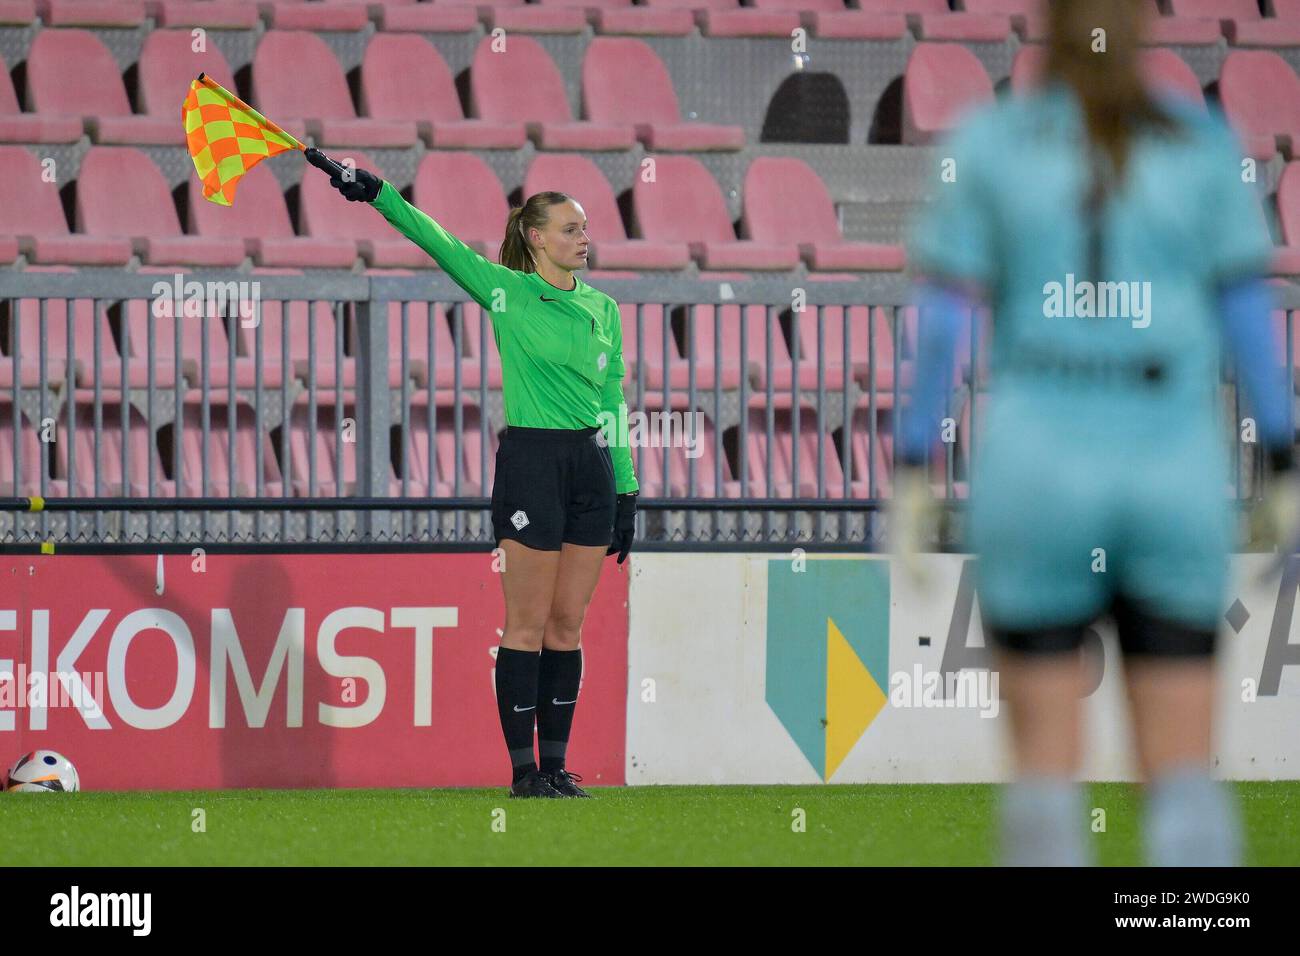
<point>927,824</point>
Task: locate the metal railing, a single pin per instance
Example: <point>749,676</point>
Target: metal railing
<point>321,411</point>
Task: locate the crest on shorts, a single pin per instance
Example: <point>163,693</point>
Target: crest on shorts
<point>602,362</point>
<point>520,520</point>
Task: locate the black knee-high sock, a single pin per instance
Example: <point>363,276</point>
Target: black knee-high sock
<point>517,705</point>
<point>558,677</point>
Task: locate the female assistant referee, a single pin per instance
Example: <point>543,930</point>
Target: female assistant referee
<point>561,501</point>
<point>1100,482</point>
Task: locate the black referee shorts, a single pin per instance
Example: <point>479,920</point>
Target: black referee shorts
<point>553,486</point>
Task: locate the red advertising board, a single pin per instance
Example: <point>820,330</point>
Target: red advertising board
<point>281,670</point>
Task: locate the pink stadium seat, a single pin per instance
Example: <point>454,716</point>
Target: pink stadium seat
<point>648,20</point>
<point>870,466</point>
<point>648,463</point>
<point>1166,70</point>
<point>881,461</point>
<point>465,197</point>
<point>1279,336</point>
<point>29,462</point>
<point>57,352</point>
<point>623,79</point>
<point>93,91</point>
<point>120,192</point>
<point>489,3</point>
<point>536,18</point>
<point>442,17</point>
<point>758,329</point>
<point>218,14</point>
<point>786,200</point>
<point>404,77</point>
<point>1029,17</point>
<point>782,455</point>
<point>138,452</point>
<point>938,23</point>
<point>418,344</point>
<point>168,64</point>
<point>726,18</point>
<point>324,214</point>
<point>91,13</point>
<point>684,206</point>
<point>1287,10</point>
<point>334,476</point>
<point>473,329</point>
<point>692,4</point>
<point>1215,9</point>
<point>829,19</point>
<point>860,329</point>
<point>444,449</point>
<point>1241,21</point>
<point>241,480</point>
<point>524,85</point>
<point>30,211</point>
<point>648,353</point>
<point>1176,30</point>
<point>18,13</point>
<point>1261,98</point>
<point>416,452</point>
<point>1027,68</point>
<point>719,331</point>
<point>580,178</point>
<point>164,350</point>
<point>220,318</point>
<point>296,76</point>
<point>445,355</point>
<point>302,360</point>
<point>339,15</point>
<point>19,127</point>
<point>260,220</point>
<point>1287,256</point>
<point>942,81</point>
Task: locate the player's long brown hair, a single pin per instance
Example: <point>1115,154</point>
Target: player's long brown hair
<point>1109,85</point>
<point>534,214</point>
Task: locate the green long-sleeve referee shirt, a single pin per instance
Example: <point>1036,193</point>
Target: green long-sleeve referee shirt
<point>561,351</point>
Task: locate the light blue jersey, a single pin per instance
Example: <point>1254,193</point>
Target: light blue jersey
<point>1103,445</point>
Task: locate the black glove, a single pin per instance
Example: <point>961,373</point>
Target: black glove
<point>363,188</point>
<point>624,527</point>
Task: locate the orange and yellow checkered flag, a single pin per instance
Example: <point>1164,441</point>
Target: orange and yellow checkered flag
<point>227,138</point>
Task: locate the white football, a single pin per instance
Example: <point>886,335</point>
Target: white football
<point>43,771</point>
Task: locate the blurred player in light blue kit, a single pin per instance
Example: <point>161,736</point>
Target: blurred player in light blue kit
<point>1113,234</point>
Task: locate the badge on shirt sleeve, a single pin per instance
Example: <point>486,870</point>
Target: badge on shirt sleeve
<point>602,361</point>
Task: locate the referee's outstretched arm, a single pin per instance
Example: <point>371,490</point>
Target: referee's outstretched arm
<point>490,284</point>
<point>485,280</point>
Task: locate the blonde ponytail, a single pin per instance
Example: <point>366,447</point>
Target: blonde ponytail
<point>534,214</point>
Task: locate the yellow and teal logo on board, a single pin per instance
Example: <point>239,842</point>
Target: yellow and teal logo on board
<point>827,653</point>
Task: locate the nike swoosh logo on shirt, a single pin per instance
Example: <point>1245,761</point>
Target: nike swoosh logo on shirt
<point>520,710</point>
<point>554,701</point>
<point>544,299</point>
